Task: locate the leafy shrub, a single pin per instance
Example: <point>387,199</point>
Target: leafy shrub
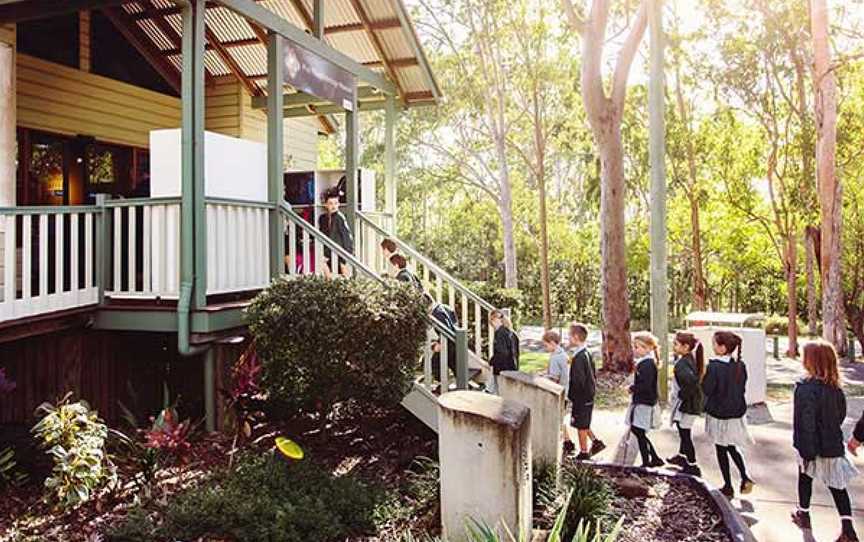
<point>74,437</point>
<point>322,342</point>
<point>263,499</point>
<point>589,498</point>
<point>10,474</point>
<point>503,298</point>
<point>779,325</point>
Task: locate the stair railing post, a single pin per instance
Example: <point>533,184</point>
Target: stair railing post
<point>461,358</point>
<point>103,255</point>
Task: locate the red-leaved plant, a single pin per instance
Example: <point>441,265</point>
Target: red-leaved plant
<point>241,397</point>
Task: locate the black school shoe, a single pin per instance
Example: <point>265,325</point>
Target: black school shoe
<point>747,486</point>
<point>596,447</point>
<point>692,470</point>
<point>568,447</point>
<point>851,537</point>
<point>678,461</point>
<point>728,492</point>
<point>583,456</point>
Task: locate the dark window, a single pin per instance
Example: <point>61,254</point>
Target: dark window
<point>55,39</point>
<point>113,56</point>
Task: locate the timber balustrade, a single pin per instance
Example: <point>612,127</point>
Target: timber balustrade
<point>48,259</point>
<point>372,229</point>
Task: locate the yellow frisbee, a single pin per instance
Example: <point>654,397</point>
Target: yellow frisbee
<point>289,448</point>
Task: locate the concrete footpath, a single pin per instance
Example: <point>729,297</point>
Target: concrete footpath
<point>771,462</point>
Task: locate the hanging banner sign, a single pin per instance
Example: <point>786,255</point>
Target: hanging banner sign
<point>309,73</point>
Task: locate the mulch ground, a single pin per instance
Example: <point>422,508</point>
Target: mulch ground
<point>663,509</point>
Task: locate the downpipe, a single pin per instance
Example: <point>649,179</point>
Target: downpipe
<point>183,323</point>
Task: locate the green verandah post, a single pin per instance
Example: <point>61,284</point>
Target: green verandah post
<point>352,144</point>
<point>657,152</point>
<point>275,142</point>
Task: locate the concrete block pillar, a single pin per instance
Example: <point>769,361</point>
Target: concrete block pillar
<point>484,449</point>
<point>545,399</point>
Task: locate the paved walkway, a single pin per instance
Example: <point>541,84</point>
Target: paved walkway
<point>771,463</point>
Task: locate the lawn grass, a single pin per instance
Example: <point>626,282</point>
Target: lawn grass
<point>533,362</point>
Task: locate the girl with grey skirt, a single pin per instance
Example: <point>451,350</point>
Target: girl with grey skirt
<point>644,412</point>
<point>820,408</point>
<point>725,406</point>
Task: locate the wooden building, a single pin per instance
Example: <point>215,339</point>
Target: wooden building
<point>117,295</point>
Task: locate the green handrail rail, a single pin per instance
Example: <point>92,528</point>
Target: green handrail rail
<point>405,247</point>
<point>351,259</point>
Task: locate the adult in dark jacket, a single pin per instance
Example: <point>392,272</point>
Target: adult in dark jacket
<point>334,225</point>
<point>820,408</point>
<point>687,398</point>
<point>643,415</point>
<point>505,348</point>
<point>724,386</point>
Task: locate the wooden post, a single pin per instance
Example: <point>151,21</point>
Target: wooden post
<point>390,202</point>
<point>657,151</point>
<point>352,153</point>
<point>210,390</point>
<point>318,19</point>
<point>8,146</point>
<point>461,358</point>
<point>275,149</point>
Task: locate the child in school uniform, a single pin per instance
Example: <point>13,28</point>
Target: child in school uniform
<point>819,411</point>
<point>725,406</point>
<point>644,413</point>
<point>687,398</point>
<point>583,388</point>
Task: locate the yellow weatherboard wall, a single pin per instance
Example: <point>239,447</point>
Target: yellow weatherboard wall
<point>64,100</point>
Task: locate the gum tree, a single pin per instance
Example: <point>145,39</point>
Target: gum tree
<point>605,112</point>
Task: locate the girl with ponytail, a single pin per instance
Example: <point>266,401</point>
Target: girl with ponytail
<point>725,406</point>
<point>686,398</point>
<point>643,414</point>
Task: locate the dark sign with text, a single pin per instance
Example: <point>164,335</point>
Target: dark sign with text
<point>309,73</point>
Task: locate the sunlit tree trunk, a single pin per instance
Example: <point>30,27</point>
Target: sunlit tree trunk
<point>604,116</point>
<point>830,188</point>
<point>792,287</point>
<point>810,238</point>
<point>540,156</point>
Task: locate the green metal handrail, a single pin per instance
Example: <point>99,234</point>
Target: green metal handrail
<point>352,260</point>
<point>447,277</point>
<point>142,202</point>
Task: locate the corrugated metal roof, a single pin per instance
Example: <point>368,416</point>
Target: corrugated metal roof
<point>386,22</point>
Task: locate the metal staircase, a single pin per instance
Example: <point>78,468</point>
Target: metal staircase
<point>304,251</point>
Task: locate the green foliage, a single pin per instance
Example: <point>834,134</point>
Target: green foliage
<point>588,500</point>
<point>322,342</point>
<point>265,499</point>
<point>503,298</point>
<point>10,473</point>
<point>779,325</point>
<point>74,437</point>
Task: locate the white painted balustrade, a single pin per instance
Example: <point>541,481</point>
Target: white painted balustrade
<point>238,246</point>
<point>144,249</point>
<point>48,257</point>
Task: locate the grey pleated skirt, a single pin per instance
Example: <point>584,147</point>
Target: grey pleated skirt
<point>643,416</point>
<point>834,472</point>
<point>686,421</point>
<point>730,432</point>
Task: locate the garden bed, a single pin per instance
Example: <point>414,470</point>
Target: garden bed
<point>664,508</point>
<point>380,453</point>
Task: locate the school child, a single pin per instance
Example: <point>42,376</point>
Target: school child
<point>643,414</point>
<point>388,248</point>
<point>724,385</point>
<point>583,388</point>
<point>403,273</point>
<point>819,411</point>
<point>505,348</point>
<point>687,398</point>
<point>335,226</point>
<point>447,318</point>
